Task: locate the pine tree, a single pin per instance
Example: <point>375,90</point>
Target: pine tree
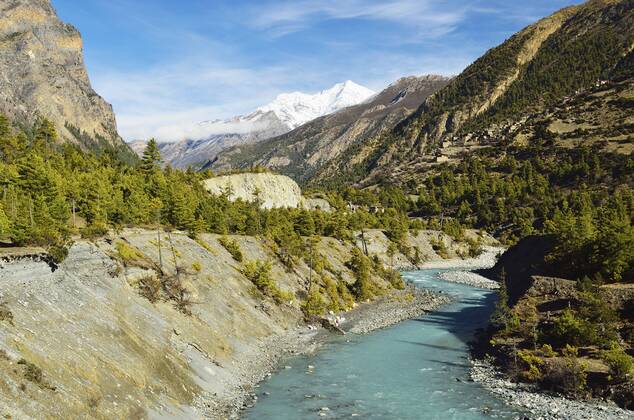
<point>151,160</point>
<point>502,310</point>
<point>360,266</point>
<point>45,136</point>
<point>305,224</point>
<point>4,222</point>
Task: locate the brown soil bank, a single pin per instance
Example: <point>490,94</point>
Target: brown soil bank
<point>106,335</point>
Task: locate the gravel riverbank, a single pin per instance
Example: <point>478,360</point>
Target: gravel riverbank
<point>414,302</point>
<point>540,405</point>
<point>470,279</point>
<point>258,365</point>
<point>486,259</point>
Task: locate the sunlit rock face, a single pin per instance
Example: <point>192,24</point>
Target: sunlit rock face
<point>273,191</point>
<point>42,74</point>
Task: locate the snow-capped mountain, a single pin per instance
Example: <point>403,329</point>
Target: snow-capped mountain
<point>287,112</point>
<point>295,109</point>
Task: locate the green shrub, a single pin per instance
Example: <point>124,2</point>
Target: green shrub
<point>567,374</point>
<point>197,266</point>
<point>546,351</point>
<point>440,248</point>
<point>569,329</point>
<point>346,297</point>
<point>259,273</point>
<point>394,278</point>
<point>94,231</point>
<point>314,303</point>
<point>532,364</point>
<point>359,264</point>
<point>232,247</point>
<point>58,252</point>
<point>475,248</point>
<point>619,363</point>
<point>128,254</point>
<point>333,294</point>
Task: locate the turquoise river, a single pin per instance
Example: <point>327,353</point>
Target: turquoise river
<point>418,369</point>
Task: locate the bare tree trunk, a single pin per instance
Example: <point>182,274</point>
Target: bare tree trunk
<point>365,245</point>
<point>158,235</point>
<point>169,236</point>
<point>310,272</point>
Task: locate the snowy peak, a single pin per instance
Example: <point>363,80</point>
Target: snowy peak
<point>202,142</point>
<point>297,108</point>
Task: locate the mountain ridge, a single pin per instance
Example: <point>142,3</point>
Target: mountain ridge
<point>285,113</point>
<point>309,149</point>
<point>557,57</point>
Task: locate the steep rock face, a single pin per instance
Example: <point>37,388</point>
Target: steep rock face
<point>308,151</point>
<point>553,60</point>
<point>274,191</point>
<point>42,74</point>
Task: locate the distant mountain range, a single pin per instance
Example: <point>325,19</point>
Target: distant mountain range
<point>567,78</point>
<point>287,112</point>
<point>307,150</point>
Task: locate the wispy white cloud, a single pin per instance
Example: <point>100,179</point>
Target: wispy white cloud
<point>194,68</point>
<point>284,17</point>
<point>168,101</point>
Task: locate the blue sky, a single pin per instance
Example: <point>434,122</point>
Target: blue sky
<point>166,64</point>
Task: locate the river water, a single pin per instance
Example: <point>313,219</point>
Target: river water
<point>417,369</point>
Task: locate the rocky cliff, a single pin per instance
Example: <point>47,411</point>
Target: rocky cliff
<point>42,74</point>
<point>273,191</point>
<point>95,339</point>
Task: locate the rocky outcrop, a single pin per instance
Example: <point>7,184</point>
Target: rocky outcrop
<point>42,74</point>
<point>421,249</point>
<point>272,191</point>
<point>521,262</point>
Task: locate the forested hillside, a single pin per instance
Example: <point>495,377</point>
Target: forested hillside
<point>52,192</point>
<point>543,74</point>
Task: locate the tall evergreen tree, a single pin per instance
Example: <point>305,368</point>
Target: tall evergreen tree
<point>151,160</point>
